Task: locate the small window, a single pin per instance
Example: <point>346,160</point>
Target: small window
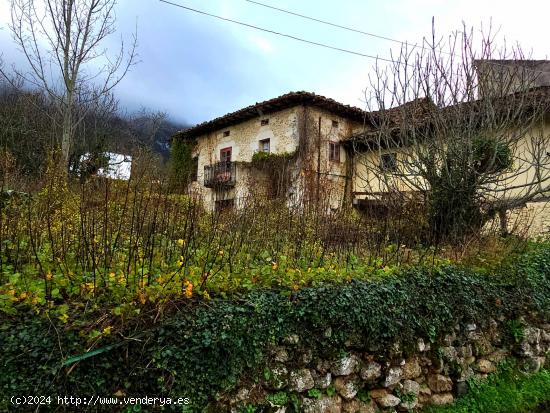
<point>194,169</point>
<point>225,155</point>
<point>265,145</point>
<point>334,151</point>
<point>226,133</point>
<point>388,162</point>
<point>335,124</point>
<point>264,122</point>
<point>224,205</point>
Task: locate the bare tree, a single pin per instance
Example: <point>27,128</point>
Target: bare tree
<point>63,43</point>
<point>460,126</point>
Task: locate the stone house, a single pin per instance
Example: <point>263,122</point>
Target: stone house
<point>304,131</point>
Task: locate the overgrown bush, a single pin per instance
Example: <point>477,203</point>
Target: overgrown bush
<point>136,241</point>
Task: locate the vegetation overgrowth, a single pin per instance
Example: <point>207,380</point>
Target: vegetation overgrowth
<point>103,242</point>
<point>125,288</point>
<point>198,348</point>
<point>508,391</point>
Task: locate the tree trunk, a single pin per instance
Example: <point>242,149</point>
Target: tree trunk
<point>66,137</point>
<point>503,218</point>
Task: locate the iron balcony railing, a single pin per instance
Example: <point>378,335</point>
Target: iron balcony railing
<point>219,174</point>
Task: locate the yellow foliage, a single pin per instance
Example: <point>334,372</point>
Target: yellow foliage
<point>188,289</point>
<point>181,261</point>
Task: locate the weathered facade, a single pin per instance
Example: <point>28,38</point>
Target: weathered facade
<point>305,129</point>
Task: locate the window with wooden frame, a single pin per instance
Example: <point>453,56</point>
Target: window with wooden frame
<point>225,155</point>
<point>388,162</point>
<point>335,124</point>
<point>264,122</point>
<point>226,133</point>
<point>334,151</point>
<point>265,145</point>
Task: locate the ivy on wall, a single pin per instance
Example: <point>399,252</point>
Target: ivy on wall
<point>277,168</point>
<point>182,166</point>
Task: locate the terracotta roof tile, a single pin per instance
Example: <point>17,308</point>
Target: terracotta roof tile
<point>269,106</point>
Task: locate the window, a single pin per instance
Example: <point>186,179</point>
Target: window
<point>226,133</point>
<point>265,145</point>
<point>225,155</point>
<point>334,151</point>
<point>388,162</point>
<point>224,205</point>
<point>335,124</point>
<point>264,122</point>
<point>194,169</point>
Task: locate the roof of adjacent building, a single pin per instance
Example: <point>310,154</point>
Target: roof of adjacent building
<point>273,105</point>
<point>516,62</point>
<point>523,74</point>
<point>414,112</point>
<point>421,113</point>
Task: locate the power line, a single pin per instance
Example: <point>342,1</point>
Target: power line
<point>351,29</point>
<point>354,30</point>
<point>289,36</point>
<point>319,44</point>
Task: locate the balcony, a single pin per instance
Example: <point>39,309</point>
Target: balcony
<point>219,175</point>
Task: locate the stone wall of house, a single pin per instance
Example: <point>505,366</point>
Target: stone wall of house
<point>363,381</point>
<point>244,138</point>
<point>307,130</point>
<point>331,176</point>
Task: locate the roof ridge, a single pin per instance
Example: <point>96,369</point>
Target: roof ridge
<point>284,101</point>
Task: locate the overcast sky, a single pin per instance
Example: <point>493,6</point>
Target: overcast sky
<point>196,68</point>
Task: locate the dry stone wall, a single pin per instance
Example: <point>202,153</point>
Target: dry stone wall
<point>362,381</point>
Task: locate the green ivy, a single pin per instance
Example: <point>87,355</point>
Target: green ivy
<point>261,158</point>
<point>181,163</point>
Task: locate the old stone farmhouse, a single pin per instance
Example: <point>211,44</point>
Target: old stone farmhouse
<point>307,131</point>
<point>303,147</point>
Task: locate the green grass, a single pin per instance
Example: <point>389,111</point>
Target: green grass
<point>508,391</point>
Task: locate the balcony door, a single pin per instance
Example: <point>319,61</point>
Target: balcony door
<point>225,155</point>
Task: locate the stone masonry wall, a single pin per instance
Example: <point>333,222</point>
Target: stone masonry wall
<point>361,381</point>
